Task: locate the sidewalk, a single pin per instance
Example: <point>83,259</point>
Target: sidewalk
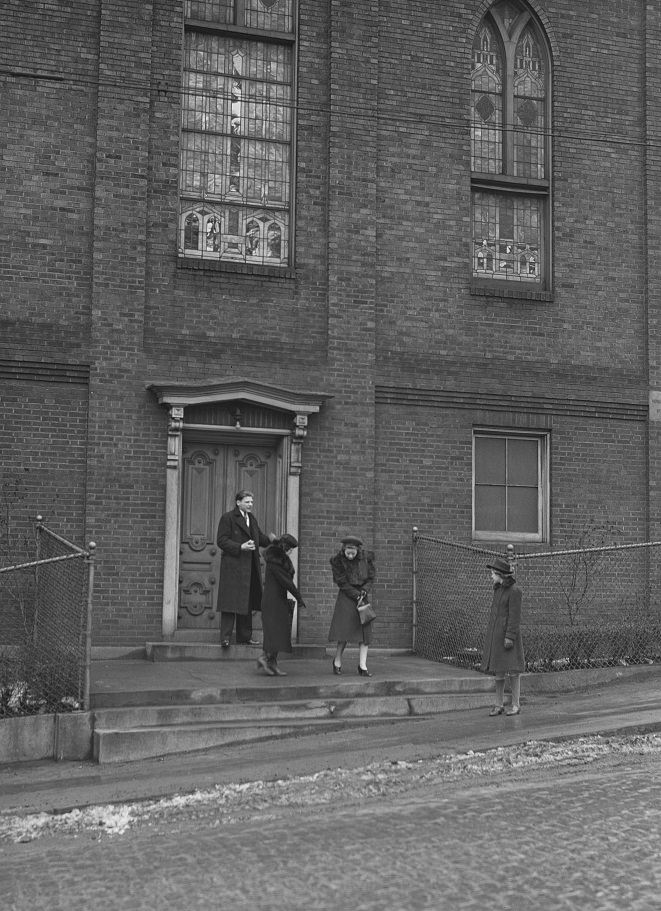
<point>554,707</point>
<point>134,681</point>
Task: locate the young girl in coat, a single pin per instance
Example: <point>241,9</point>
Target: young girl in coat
<point>503,646</point>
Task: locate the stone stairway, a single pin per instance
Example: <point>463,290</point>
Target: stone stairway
<point>148,721</point>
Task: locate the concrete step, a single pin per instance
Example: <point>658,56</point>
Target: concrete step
<point>123,734</point>
<point>276,712</point>
<point>130,744</point>
<point>290,691</point>
<point>165,705</point>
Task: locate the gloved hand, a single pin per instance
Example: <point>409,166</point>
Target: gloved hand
<point>509,643</point>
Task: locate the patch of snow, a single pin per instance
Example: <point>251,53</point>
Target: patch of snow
<point>384,778</point>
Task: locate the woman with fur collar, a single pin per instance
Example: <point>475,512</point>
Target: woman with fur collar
<point>353,573</point>
<point>276,612</point>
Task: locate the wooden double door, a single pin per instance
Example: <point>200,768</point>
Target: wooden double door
<point>213,472</point>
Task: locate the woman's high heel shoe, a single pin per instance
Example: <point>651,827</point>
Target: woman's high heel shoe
<point>363,671</point>
<point>337,670</point>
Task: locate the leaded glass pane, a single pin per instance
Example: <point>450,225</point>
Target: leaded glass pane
<point>507,11</point>
<point>275,15</point>
<point>220,11</point>
<point>529,108</point>
<point>486,103</point>
<point>506,236</point>
<point>191,232</point>
<point>204,164</point>
<point>268,176</point>
<point>238,233</point>
<point>270,15</point>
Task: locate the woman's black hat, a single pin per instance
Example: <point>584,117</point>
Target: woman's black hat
<point>352,539</point>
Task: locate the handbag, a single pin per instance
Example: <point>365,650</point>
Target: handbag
<point>365,611</point>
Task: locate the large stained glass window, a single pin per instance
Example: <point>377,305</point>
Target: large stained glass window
<point>510,147</point>
<point>237,131</point>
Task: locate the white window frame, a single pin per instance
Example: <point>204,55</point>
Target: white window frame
<point>543,491</point>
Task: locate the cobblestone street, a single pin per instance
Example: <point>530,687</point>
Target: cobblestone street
<point>547,826</point>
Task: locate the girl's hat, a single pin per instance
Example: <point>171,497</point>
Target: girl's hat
<point>501,566</point>
<point>352,539</point>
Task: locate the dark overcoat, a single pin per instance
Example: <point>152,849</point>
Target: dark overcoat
<point>278,582</point>
<point>504,623</point>
<point>240,581</point>
<point>351,577</point>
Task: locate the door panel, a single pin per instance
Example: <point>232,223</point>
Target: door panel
<point>212,474</point>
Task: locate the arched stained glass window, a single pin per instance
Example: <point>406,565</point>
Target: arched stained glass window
<point>510,148</point>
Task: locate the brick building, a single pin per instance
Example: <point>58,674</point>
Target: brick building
<point>386,264</point>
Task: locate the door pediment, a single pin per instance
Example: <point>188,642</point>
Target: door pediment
<point>241,390</point>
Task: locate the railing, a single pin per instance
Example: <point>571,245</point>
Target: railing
<point>45,628</point>
<point>585,607</point>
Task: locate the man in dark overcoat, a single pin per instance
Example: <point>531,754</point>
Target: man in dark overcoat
<point>240,584</point>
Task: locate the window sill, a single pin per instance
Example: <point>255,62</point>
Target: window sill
<point>493,541</point>
<point>214,265</point>
<point>497,290</point>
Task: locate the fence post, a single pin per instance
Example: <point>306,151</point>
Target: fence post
<point>511,557</point>
<point>414,586</point>
<point>89,560</point>
<point>37,593</point>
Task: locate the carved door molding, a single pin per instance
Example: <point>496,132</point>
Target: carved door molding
<point>212,473</point>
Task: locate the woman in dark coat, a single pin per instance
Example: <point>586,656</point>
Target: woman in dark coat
<point>353,573</point>
<point>276,615</point>
<point>503,646</point>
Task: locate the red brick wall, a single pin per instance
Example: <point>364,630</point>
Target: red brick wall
<point>43,449</point>
<point>379,305</point>
<point>47,175</point>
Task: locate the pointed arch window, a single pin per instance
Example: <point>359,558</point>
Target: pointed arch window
<point>510,149</point>
<point>237,131</point>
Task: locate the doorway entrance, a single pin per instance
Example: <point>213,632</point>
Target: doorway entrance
<point>213,471</point>
<point>238,433</point>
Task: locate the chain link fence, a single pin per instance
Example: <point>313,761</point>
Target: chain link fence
<point>582,608</point>
<point>45,629</point>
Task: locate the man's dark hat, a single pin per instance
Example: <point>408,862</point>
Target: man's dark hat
<point>352,539</point>
<point>288,541</point>
<point>501,566</point>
